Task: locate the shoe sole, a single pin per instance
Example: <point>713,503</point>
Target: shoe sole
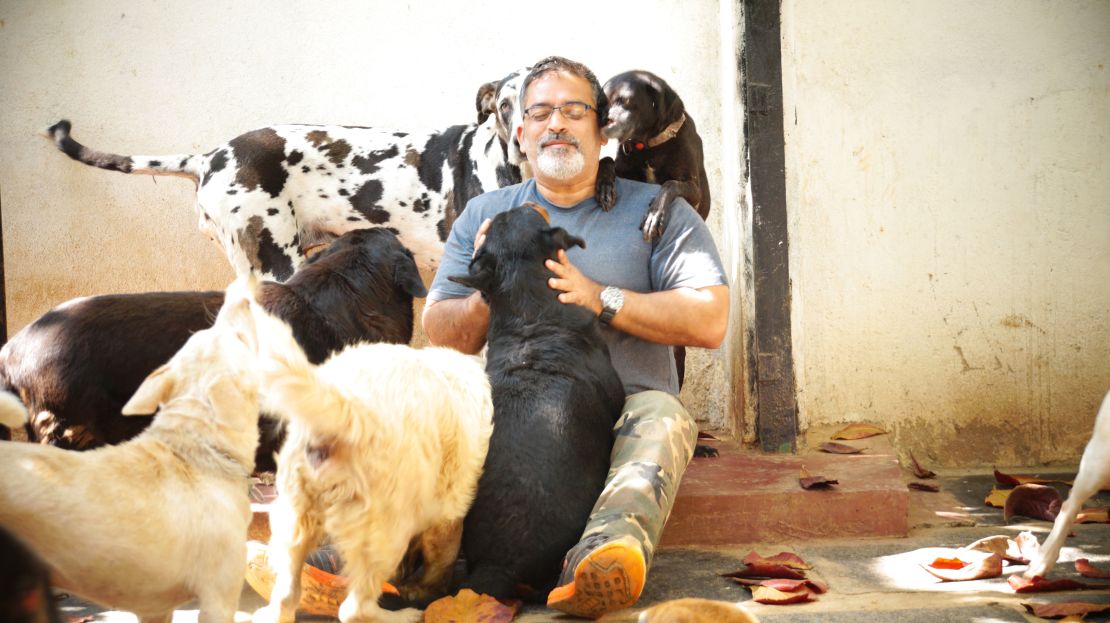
<point>611,578</point>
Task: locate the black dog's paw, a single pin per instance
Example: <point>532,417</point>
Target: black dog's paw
<point>606,190</point>
<point>703,451</point>
<point>655,220</point>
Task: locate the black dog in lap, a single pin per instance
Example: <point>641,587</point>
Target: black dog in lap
<point>556,397</point>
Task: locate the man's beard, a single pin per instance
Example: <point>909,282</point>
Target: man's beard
<point>560,163</point>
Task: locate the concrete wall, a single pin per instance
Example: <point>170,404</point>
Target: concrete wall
<point>949,192</point>
<point>164,77</point>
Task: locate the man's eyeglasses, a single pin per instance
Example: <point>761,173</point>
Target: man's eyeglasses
<point>571,110</point>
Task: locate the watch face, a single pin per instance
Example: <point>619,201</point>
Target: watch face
<point>612,298</point>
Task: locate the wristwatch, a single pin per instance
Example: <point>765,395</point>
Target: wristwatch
<point>612,299</point>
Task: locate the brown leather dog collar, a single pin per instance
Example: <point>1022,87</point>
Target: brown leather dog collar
<point>667,134</point>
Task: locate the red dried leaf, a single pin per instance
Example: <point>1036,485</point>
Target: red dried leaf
<point>1038,584</point>
<point>1093,515</point>
<point>809,482</point>
<point>924,486</point>
<point>919,471</point>
<point>1019,550</point>
<point>783,558</point>
<point>702,435</point>
<point>783,584</point>
<point>948,563</point>
<point>838,448</point>
<point>1087,570</point>
<point>1014,480</point>
<point>1033,501</point>
<point>470,607</point>
<point>989,567</point>
<point>768,595</point>
<point>858,431</point>
<point>997,497</point>
<point>768,570</point>
<point>1065,609</point>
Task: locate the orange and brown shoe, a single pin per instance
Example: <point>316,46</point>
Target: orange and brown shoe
<point>600,578</point>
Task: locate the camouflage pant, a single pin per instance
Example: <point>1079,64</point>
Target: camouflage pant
<point>655,439</point>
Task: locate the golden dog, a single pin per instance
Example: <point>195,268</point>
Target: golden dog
<point>155,522</point>
<point>385,443</point>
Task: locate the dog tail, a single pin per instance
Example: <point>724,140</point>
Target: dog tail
<point>291,388</point>
<point>12,411</point>
<point>182,165</point>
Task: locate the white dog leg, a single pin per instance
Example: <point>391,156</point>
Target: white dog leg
<point>294,532</point>
<point>1094,472</point>
<point>368,567</point>
<point>220,598</point>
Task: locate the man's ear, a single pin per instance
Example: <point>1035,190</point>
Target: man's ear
<point>151,393</point>
<point>563,240</point>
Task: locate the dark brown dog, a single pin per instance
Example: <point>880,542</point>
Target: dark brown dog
<point>659,143</point>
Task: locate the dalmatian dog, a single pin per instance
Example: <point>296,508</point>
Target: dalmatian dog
<point>273,196</point>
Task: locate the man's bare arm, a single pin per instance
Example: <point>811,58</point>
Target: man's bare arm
<point>457,323</point>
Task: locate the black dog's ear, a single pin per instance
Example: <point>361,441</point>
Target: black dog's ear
<point>667,102</point>
<point>407,277</point>
<point>485,102</point>
<point>481,273</point>
<point>563,240</point>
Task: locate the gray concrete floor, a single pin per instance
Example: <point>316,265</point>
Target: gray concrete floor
<point>869,579</point>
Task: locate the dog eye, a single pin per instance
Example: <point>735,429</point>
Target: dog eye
<point>505,107</point>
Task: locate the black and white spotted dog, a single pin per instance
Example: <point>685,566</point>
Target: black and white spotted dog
<point>272,196</point>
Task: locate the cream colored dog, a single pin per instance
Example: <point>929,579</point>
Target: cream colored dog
<point>385,443</point>
<point>694,610</point>
<point>1094,474</point>
<point>153,523</point>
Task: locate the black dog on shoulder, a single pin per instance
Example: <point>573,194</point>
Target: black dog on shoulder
<point>556,397</point>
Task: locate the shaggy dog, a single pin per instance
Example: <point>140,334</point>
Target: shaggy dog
<point>162,519</point>
<point>556,397</point>
<point>77,365</point>
<point>694,610</point>
<point>1094,474</point>
<point>385,443</point>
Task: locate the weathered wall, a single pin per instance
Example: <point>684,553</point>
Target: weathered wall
<point>170,77</point>
<point>950,221</point>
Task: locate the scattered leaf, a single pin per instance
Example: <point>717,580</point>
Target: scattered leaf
<point>858,431</point>
<point>768,595</point>
<point>809,482</point>
<point>1014,480</point>
<point>1065,609</point>
<point>470,607</point>
<point>788,559</point>
<point>702,435</point>
<point>1033,501</point>
<point>997,497</point>
<point>1038,584</point>
<point>838,448</point>
<point>1019,550</point>
<point>948,563</point>
<point>919,471</point>
<point>1093,515</point>
<point>989,567</point>
<point>924,486</point>
<point>1087,570</point>
<point>782,565</point>
<point>784,584</point>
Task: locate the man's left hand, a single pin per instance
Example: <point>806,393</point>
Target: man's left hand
<point>574,287</point>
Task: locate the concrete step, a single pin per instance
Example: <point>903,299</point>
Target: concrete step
<point>744,496</point>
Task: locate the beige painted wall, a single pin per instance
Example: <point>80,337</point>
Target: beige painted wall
<point>949,193</point>
<point>162,77</point>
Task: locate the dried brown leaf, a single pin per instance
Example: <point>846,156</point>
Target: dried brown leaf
<point>919,471</point>
<point>1087,570</point>
<point>1033,501</point>
<point>989,567</point>
<point>1093,515</point>
<point>1065,609</point>
<point>838,448</point>
<point>1014,480</point>
<point>1038,584</point>
<point>470,607</point>
<point>788,559</point>
<point>924,486</point>
<point>1018,550</point>
<point>858,431</point>
<point>768,595</point>
<point>997,497</point>
<point>810,482</point>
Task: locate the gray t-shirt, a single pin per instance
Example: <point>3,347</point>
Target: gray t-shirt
<point>615,254</point>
